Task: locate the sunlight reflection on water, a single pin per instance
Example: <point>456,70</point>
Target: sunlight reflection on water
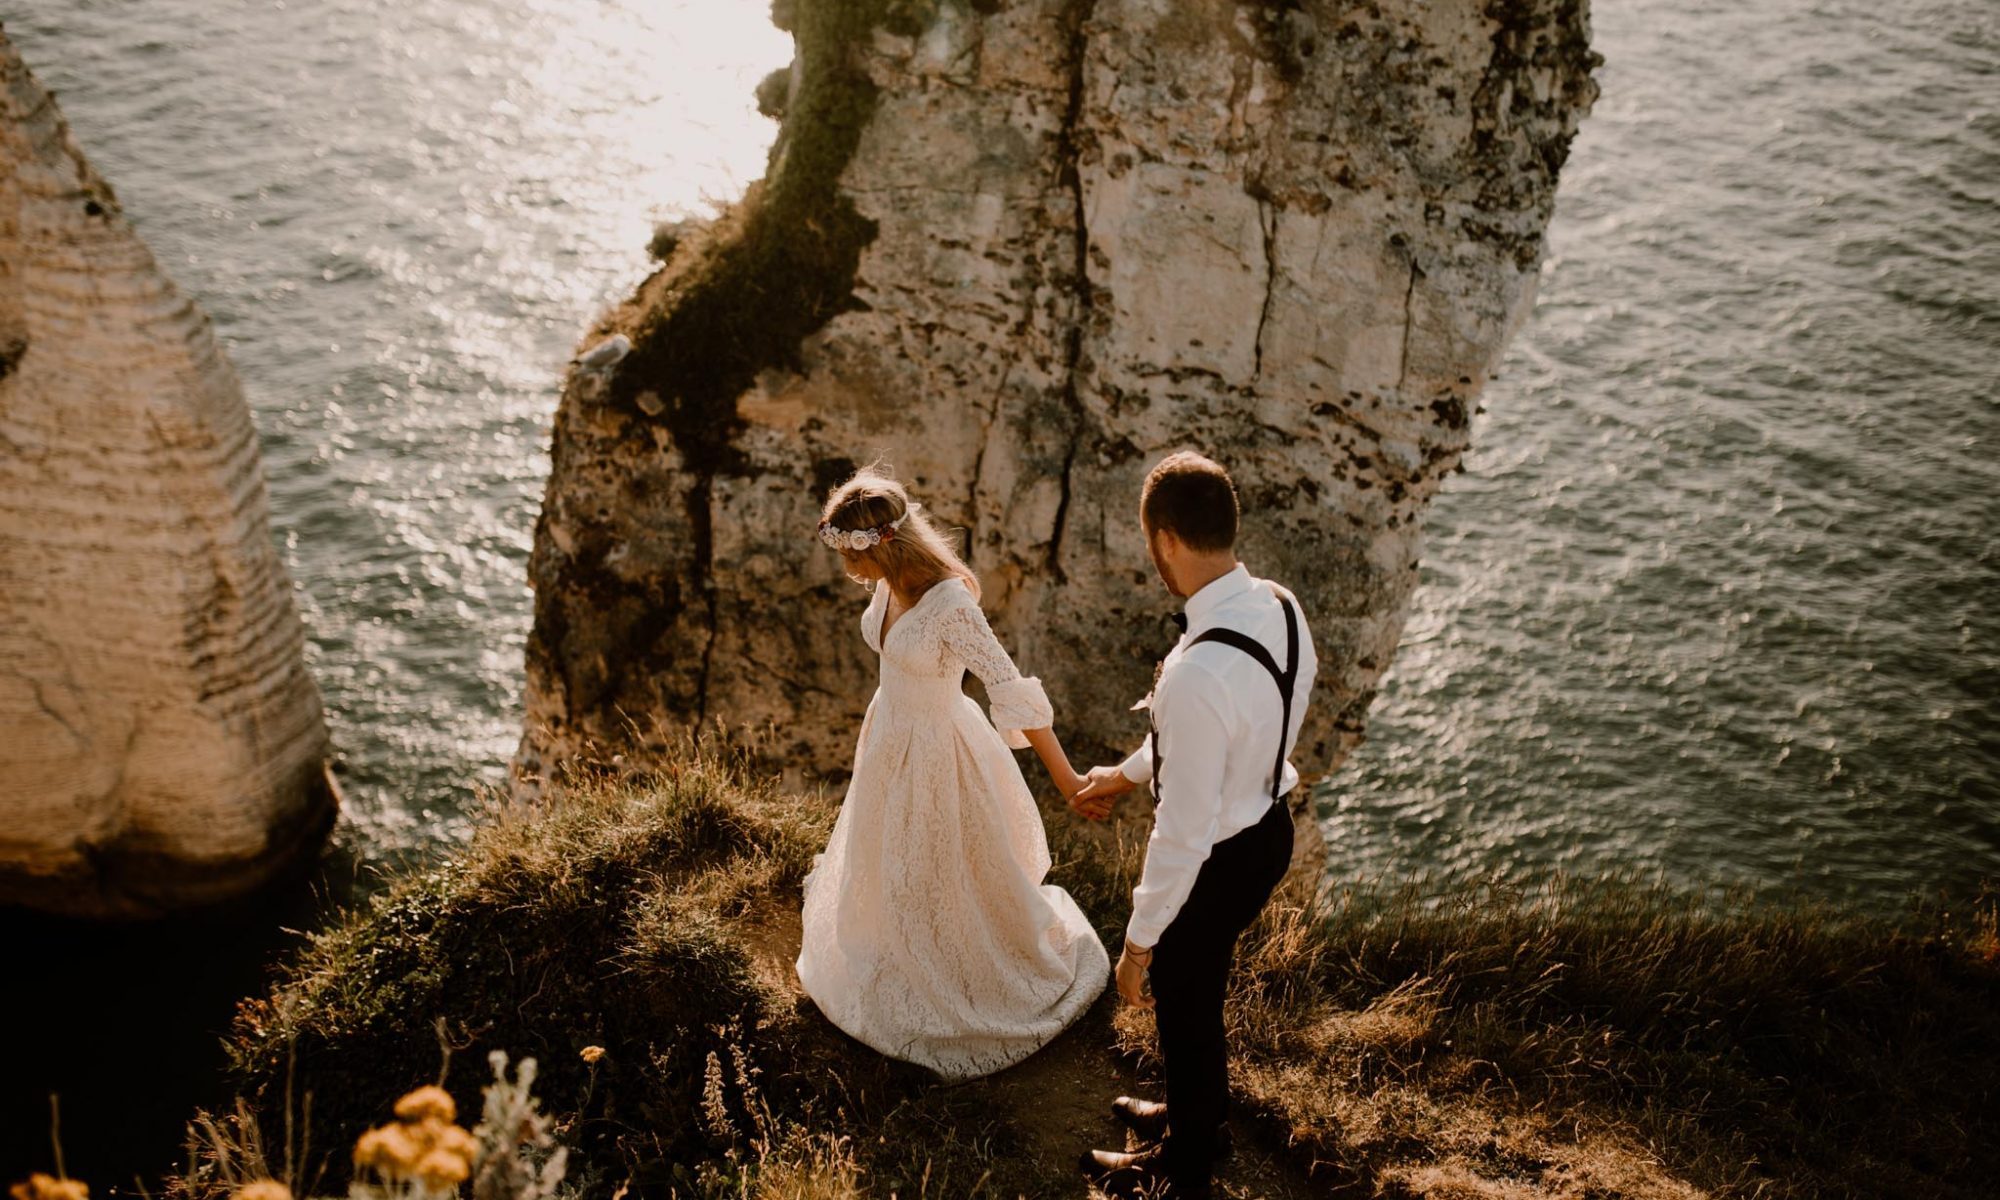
<point>1718,598</point>
<point>402,215</point>
<point>1715,600</point>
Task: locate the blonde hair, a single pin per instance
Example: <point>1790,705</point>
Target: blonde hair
<point>919,556</point>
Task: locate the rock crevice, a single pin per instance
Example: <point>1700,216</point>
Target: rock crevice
<point>1070,158</point>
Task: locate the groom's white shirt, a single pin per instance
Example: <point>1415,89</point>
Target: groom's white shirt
<point>1217,712</point>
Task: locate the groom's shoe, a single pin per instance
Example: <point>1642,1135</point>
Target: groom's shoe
<point>1148,1120</point>
<point>1138,1176</point>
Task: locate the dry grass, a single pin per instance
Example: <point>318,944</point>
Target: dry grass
<point>1608,1039</point>
<point>1594,1040</point>
<point>616,913</point>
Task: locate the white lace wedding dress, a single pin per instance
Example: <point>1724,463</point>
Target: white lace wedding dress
<point>929,934</point>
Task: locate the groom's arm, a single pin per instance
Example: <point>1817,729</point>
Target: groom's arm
<point>1103,785</point>
<point>1138,765</point>
<point>1189,709</point>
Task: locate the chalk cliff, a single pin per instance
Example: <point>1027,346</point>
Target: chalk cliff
<point>1022,250</point>
<point>162,745</point>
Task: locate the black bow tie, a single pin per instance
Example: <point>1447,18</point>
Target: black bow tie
<point>1179,619</point>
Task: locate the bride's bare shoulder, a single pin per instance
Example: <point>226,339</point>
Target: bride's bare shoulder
<point>871,615</point>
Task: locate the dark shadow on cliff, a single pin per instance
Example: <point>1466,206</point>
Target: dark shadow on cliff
<point>124,1022</point>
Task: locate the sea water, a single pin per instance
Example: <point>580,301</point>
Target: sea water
<point>1714,601</point>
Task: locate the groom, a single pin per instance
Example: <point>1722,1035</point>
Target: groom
<point>1226,706</point>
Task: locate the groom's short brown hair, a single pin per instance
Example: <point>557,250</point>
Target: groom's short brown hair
<point>1191,497</point>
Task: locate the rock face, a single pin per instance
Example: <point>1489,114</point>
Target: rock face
<point>163,745</point>
<point>1021,250</point>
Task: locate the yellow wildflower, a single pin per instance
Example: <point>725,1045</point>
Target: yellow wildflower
<point>427,1102</point>
<point>388,1148</point>
<point>454,1140</point>
<point>442,1169</point>
<point>423,1144</point>
<point>262,1189</point>
<point>40,1186</point>
<point>592,1053</point>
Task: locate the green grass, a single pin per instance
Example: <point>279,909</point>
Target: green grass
<point>1590,1040</point>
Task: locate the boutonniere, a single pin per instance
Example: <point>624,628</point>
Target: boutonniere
<point>1146,701</point>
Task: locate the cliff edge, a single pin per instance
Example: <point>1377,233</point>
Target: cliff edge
<point>1583,1042</point>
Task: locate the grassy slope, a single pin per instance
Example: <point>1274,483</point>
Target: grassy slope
<point>1611,1040</point>
<point>1601,1042</point>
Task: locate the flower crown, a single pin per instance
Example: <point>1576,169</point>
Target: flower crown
<point>862,539</point>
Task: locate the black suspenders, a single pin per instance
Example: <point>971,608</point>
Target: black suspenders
<point>1286,679</point>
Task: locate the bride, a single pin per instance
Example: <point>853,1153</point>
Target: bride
<point>929,934</point>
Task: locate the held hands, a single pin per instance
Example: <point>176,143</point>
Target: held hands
<point>1100,790</point>
<point>1090,796</point>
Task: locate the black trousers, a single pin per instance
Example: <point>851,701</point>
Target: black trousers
<point>1190,972</point>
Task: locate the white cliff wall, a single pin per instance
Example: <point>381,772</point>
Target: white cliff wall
<point>1023,250</point>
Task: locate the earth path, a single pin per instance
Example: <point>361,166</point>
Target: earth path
<point>1060,1098</point>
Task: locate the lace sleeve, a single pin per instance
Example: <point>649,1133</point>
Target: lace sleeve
<point>1018,701</point>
